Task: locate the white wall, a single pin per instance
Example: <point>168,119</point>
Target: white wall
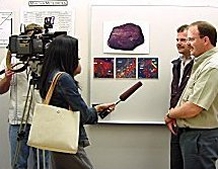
<point>129,146</point>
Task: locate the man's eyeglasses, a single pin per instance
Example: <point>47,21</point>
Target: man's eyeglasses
<point>191,39</point>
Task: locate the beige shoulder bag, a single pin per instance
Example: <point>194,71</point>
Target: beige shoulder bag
<point>54,128</point>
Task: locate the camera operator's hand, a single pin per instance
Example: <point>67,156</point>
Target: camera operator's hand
<point>8,74</point>
<point>104,106</point>
<point>5,82</point>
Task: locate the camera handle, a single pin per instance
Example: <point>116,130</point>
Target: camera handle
<point>12,67</point>
<point>26,112</point>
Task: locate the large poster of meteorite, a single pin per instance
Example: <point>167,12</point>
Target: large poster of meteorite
<point>147,33</point>
<point>126,37</point>
<point>125,68</point>
<point>103,67</point>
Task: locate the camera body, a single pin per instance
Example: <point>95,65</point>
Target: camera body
<point>23,45</point>
<point>28,47</point>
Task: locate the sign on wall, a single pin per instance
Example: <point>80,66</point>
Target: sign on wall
<point>5,27</point>
<point>64,18</point>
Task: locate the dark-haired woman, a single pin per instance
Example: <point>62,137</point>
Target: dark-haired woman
<point>62,56</point>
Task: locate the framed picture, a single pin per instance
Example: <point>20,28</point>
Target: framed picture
<point>127,37</point>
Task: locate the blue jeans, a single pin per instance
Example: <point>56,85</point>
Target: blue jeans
<point>199,148</point>
<point>20,159</point>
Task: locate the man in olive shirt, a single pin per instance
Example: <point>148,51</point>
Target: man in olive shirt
<point>197,110</point>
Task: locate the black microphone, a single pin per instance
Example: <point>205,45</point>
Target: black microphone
<point>122,97</point>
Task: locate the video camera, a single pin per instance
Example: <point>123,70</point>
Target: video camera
<point>32,47</point>
<point>29,47</point>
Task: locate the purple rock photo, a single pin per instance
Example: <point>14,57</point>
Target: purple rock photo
<point>125,37</point>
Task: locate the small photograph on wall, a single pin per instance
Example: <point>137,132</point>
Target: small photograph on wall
<point>103,67</point>
<point>148,68</point>
<point>125,67</point>
<point>127,37</point>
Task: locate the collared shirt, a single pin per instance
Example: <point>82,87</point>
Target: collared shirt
<point>202,90</point>
<point>184,63</point>
<point>18,95</point>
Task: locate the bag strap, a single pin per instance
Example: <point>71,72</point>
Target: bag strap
<point>51,88</point>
